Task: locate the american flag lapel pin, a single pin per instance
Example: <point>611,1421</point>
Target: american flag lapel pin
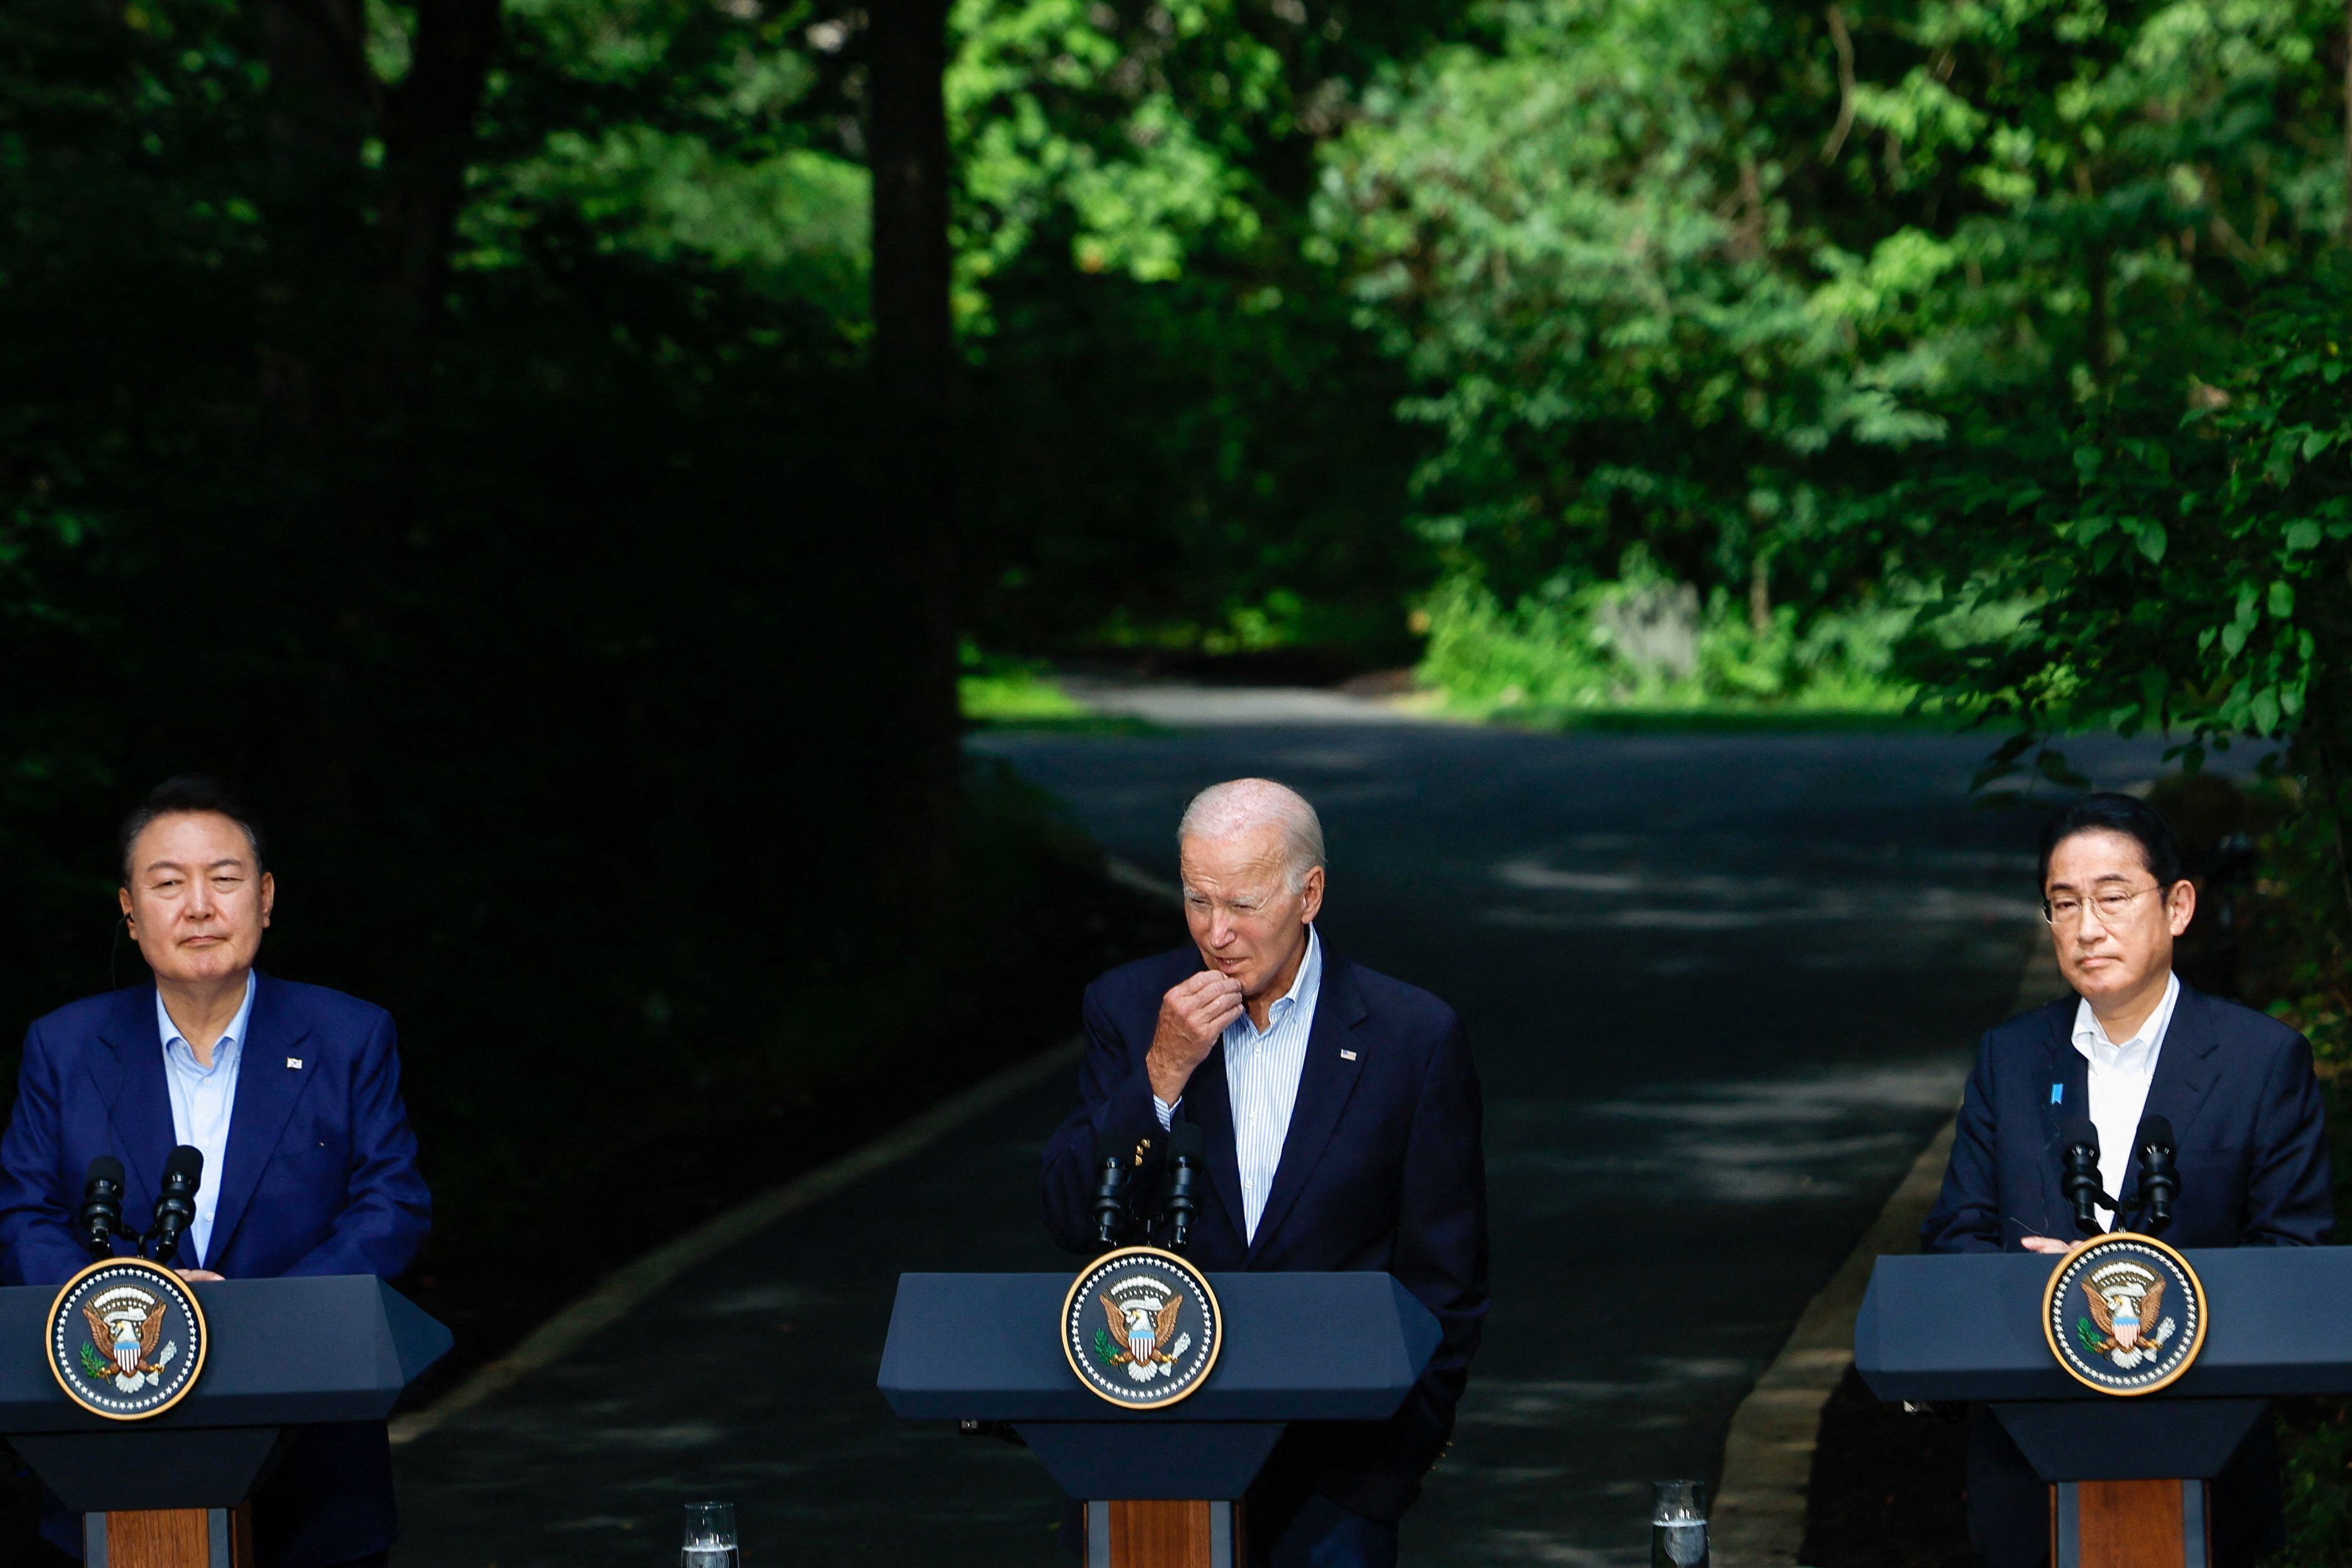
<point>1347,1056</point>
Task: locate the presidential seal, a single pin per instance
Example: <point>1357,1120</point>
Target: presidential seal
<point>1141,1328</point>
<point>126,1339</point>
<point>2124,1314</point>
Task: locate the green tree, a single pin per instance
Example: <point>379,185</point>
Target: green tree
<point>1722,279</point>
<point>1176,437</point>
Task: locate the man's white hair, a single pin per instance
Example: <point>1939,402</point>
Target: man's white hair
<point>1238,805</point>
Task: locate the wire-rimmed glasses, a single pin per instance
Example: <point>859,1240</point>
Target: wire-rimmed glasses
<point>2112,904</point>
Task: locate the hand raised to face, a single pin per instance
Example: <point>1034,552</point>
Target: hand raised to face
<point>1192,1016</point>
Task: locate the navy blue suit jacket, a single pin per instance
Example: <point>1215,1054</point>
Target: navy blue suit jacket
<point>2237,1087</point>
<point>320,1177</point>
<point>1383,1170</point>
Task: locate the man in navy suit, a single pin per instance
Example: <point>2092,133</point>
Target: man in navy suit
<point>1341,1117</point>
<point>292,1094</point>
<point>2133,1041</point>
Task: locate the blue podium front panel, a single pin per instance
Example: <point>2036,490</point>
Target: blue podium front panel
<point>283,1352</point>
<point>1970,1326</point>
<point>1297,1347</point>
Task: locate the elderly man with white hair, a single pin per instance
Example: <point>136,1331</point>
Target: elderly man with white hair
<point>1340,1114</point>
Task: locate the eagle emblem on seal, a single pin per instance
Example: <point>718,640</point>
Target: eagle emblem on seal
<point>126,1326</point>
<point>1140,1334</point>
<point>2127,1328</point>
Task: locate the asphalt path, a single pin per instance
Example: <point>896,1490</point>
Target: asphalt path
<point>1721,989</point>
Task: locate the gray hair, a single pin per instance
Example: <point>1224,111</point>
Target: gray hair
<point>1238,805</point>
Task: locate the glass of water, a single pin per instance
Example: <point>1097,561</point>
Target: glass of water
<point>710,1536</point>
<point>1678,1525</point>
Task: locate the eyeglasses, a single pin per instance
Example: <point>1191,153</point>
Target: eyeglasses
<point>2112,903</point>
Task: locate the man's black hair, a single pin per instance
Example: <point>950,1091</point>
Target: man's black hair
<point>2111,813</point>
<point>182,793</point>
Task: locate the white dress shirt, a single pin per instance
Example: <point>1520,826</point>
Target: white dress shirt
<point>2119,1078</point>
<point>202,1100</point>
<point>1261,1069</point>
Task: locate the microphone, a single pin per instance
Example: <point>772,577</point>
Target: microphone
<point>100,1218</point>
<point>1186,1145</point>
<point>1110,1193</point>
<point>2081,1182</point>
<point>2159,1178</point>
<point>175,1206</point>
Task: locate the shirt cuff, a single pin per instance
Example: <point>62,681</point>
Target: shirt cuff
<point>1167,1111</point>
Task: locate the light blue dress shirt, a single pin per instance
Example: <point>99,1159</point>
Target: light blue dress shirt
<point>1262,1072</point>
<point>202,1100</point>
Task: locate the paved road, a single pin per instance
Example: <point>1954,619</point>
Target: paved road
<point>1721,989</point>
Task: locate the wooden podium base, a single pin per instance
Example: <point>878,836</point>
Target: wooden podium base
<point>1155,1534</point>
<point>2129,1524</point>
<point>169,1538</point>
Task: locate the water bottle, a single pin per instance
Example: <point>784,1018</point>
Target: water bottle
<point>710,1536</point>
<point>1678,1525</point>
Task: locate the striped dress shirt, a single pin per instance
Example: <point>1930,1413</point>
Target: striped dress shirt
<point>1261,1069</point>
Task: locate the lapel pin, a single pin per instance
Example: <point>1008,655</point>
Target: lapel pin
<point>1347,1056</point>
<point>293,1061</point>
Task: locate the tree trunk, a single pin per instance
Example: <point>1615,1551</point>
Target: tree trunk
<point>428,139</point>
<point>356,265</point>
<point>914,369</point>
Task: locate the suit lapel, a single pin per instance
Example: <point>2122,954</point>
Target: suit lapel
<point>267,1089</point>
<point>1325,1082</point>
<point>128,1074</point>
<point>1209,1104</point>
<point>2069,1076</point>
<point>2185,1072</point>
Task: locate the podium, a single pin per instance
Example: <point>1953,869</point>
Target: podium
<point>2129,1474</point>
<point>1159,1486</point>
<point>166,1492</point>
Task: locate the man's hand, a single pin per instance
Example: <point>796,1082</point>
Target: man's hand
<point>1192,1016</point>
<point>2044,1243</point>
<point>196,1276</point>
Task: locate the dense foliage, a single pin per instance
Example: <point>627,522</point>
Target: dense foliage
<point>503,521</point>
<point>453,416</point>
<point>1796,302</point>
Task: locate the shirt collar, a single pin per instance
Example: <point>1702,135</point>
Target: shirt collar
<point>1305,983</point>
<point>225,1049</point>
<point>2092,1040</point>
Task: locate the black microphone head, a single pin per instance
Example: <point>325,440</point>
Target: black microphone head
<point>105,1168</point>
<point>1187,1141</point>
<point>184,1166</point>
<point>2155,1132</point>
<point>2081,1133</point>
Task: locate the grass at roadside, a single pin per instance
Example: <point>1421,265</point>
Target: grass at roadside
<point>995,690</point>
<point>1721,718</point>
<point>1001,693</point>
<point>1644,645</point>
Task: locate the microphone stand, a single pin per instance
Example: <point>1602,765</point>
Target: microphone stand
<point>99,1221</point>
<point>2081,1181</point>
<point>175,1204</point>
<point>2159,1178</point>
<point>1111,1217</point>
<point>1183,1201</point>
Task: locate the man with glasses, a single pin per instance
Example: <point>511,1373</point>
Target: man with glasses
<point>2237,1087</point>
